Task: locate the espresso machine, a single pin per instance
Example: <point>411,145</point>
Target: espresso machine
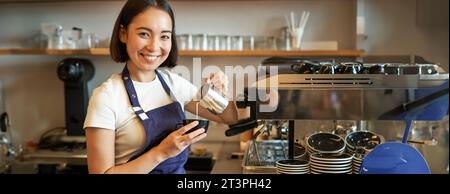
<point>307,96</point>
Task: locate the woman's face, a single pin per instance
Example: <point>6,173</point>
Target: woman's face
<point>148,39</point>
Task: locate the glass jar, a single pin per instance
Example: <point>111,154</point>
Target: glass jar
<point>200,42</point>
<point>249,43</point>
<point>58,38</point>
<point>272,43</point>
<point>184,42</point>
<point>237,43</point>
<point>285,41</point>
<point>213,42</point>
<point>224,42</point>
<point>260,43</point>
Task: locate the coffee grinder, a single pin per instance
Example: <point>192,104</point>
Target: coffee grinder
<point>75,73</point>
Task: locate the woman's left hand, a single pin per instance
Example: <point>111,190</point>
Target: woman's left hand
<point>219,81</point>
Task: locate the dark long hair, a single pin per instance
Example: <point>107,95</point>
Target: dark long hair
<point>130,10</point>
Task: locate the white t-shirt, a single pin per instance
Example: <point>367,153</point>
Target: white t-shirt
<point>110,108</point>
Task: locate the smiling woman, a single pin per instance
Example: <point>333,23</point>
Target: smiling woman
<point>143,41</point>
<point>135,119</point>
<point>148,42</point>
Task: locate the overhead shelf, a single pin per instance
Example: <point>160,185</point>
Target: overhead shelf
<point>346,53</point>
<point>105,51</point>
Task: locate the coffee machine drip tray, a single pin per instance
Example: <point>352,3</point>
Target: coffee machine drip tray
<point>261,156</point>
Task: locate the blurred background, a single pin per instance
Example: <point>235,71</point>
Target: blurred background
<point>33,95</point>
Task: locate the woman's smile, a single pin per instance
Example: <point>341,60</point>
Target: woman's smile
<point>150,58</point>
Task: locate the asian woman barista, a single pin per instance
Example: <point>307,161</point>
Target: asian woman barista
<point>134,122</point>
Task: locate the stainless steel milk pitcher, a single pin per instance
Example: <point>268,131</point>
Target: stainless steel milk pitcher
<point>211,99</point>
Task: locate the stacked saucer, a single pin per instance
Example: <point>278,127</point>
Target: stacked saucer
<point>292,167</point>
<point>325,143</point>
<point>365,140</point>
<point>322,163</point>
<point>299,152</point>
<point>357,161</point>
<point>360,143</point>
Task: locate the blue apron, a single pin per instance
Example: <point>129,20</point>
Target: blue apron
<point>158,124</point>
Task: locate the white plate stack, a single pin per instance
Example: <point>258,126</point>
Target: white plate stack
<point>292,167</point>
<point>331,163</point>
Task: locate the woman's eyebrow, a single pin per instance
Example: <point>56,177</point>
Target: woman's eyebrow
<point>144,28</point>
<point>150,30</point>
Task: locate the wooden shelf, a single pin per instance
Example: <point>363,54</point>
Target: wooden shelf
<point>54,52</point>
<point>47,1</point>
<point>105,51</point>
<point>345,53</point>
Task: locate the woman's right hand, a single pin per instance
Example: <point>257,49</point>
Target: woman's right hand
<point>177,141</point>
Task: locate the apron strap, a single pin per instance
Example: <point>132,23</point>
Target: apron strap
<point>131,91</point>
<point>165,86</point>
<point>132,94</point>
